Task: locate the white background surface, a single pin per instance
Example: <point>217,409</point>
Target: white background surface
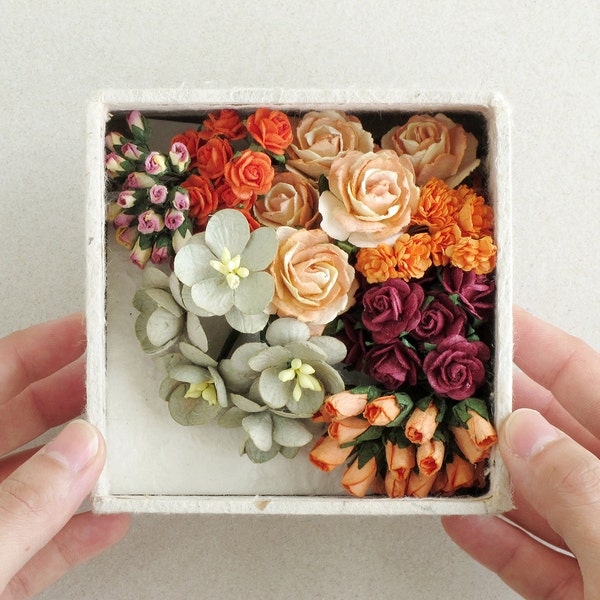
<point>541,55</point>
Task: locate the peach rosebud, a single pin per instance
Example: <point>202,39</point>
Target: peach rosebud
<point>459,474</point>
<point>421,424</point>
<point>400,460</point>
<point>358,481</point>
<point>395,485</point>
<point>327,454</point>
<point>382,411</point>
<point>139,256</point>
<point>430,457</point>
<point>420,484</point>
<point>345,404</point>
<point>348,429</point>
<point>321,416</point>
<point>476,440</point>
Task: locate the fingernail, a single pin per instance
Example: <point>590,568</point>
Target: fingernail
<point>75,446</point>
<point>527,433</point>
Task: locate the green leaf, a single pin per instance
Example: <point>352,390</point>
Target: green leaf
<point>460,414</point>
<point>367,451</point>
<point>146,240</point>
<point>323,184</point>
<point>429,347</point>
<point>373,433</point>
<point>406,405</point>
<point>397,436</point>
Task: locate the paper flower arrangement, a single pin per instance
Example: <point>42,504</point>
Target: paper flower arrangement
<point>316,274</point>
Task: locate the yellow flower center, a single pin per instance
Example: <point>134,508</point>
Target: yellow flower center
<point>206,390</point>
<point>302,373</point>
<point>230,267</point>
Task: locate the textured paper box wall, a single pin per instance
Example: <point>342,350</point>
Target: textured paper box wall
<point>154,464</point>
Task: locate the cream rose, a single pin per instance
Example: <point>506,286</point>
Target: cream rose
<point>371,198</point>
<point>436,146</point>
<point>292,201</point>
<point>320,137</point>
<point>313,280</point>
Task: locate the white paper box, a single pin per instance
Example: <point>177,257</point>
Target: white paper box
<point>154,464</point>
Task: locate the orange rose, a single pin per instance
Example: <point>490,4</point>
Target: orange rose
<point>476,439</point>
<point>413,255</point>
<point>189,138</point>
<point>436,146</point>
<point>203,200</point>
<point>358,481</point>
<point>400,460</point>
<point>227,198</point>
<point>313,280</point>
<point>420,484</point>
<point>459,474</point>
<point>377,264</point>
<point>225,122</point>
<point>430,457</point>
<point>327,454</point>
<point>348,429</point>
<point>421,424</point>
<point>345,404</point>
<point>395,485</point>
<point>250,173</point>
<point>292,201</point>
<point>271,129</point>
<point>213,156</point>
<point>471,254</point>
<point>382,411</point>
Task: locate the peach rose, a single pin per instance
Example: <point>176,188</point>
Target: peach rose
<point>358,481</point>
<point>345,404</point>
<point>400,460</point>
<point>271,129</point>
<point>382,411</point>
<point>203,200</point>
<point>327,454</point>
<point>371,199</point>
<point>347,430</point>
<point>419,484</point>
<point>421,424</point>
<point>320,137</point>
<point>476,439</point>
<point>292,201</point>
<point>213,156</point>
<point>436,146</point>
<point>313,280</point>
<point>395,485</point>
<point>250,173</point>
<point>430,456</point>
<point>225,122</point>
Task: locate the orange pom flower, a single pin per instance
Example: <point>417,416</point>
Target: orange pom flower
<point>377,264</point>
<point>250,173</point>
<point>475,217</point>
<point>213,156</point>
<point>413,255</point>
<point>442,239</point>
<point>473,254</point>
<point>438,205</point>
<point>271,129</point>
<point>224,122</point>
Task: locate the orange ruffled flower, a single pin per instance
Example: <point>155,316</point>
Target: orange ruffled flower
<point>271,129</point>
<point>225,122</point>
<point>438,206</point>
<point>377,264</point>
<point>413,255</point>
<point>473,254</point>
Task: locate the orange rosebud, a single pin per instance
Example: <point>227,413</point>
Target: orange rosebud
<point>345,404</point>
<point>213,156</point>
<point>382,411</point>
<point>348,429</point>
<point>377,264</point>
<point>459,474</point>
<point>473,254</point>
<point>420,484</point>
<point>379,485</point>
<point>438,206</point>
<point>476,439</point>
<point>271,129</point>
<point>400,460</point>
<point>430,457</point>
<point>421,424</point>
<point>442,239</point>
<point>413,255</point>
<point>321,416</point>
<point>203,200</point>
<point>358,481</point>
<point>327,454</point>
<point>395,486</point>
<point>250,173</point>
<point>189,138</point>
<point>225,122</point>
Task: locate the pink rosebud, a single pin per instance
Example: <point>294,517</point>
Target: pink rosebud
<point>179,241</point>
<point>126,236</point>
<point>155,163</point>
<point>138,256</point>
<point>179,156</point>
<point>159,254</point>
<point>135,119</point>
<point>123,220</point>
<point>158,194</point>
<point>114,164</point>
<point>126,199</point>
<point>150,222</point>
<point>174,219</point>
<point>112,212</point>
<point>138,180</point>
<point>131,151</point>
<point>114,138</point>
<point>181,200</point>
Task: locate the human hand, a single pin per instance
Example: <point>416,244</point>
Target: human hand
<point>555,471</point>
<point>42,384</point>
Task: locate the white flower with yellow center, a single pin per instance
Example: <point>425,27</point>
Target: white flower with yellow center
<point>303,375</point>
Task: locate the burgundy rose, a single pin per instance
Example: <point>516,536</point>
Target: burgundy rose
<point>353,338</point>
<point>391,308</point>
<point>456,367</point>
<point>392,365</point>
<point>440,319</point>
<point>476,292</point>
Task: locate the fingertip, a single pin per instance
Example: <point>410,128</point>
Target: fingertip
<point>525,433</point>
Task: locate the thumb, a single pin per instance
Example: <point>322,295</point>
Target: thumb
<point>560,479</point>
